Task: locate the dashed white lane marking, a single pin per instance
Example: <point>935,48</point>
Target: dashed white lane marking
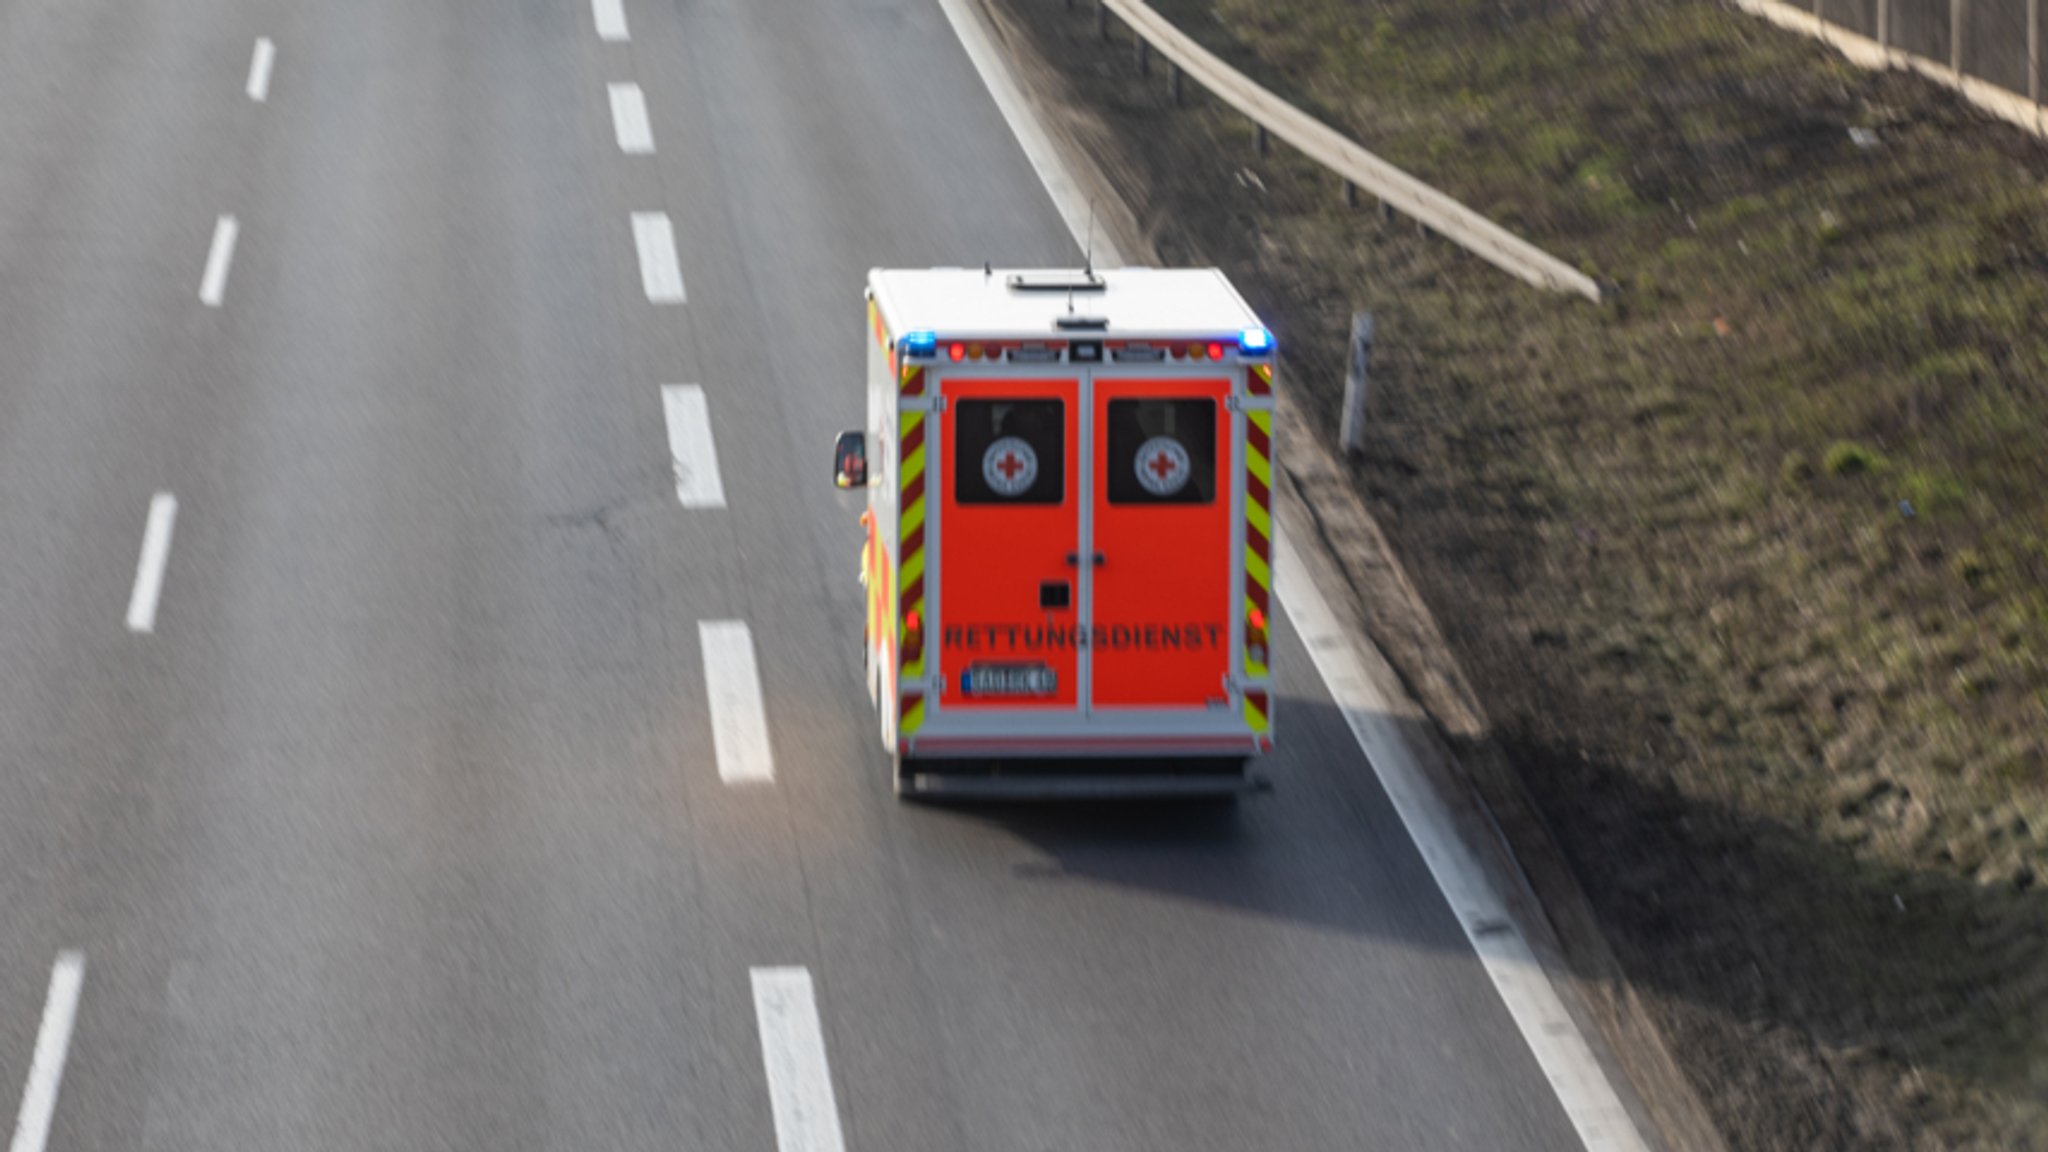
<point>660,275</point>
<point>691,447</point>
<point>259,69</point>
<point>213,286</point>
<point>732,684</point>
<point>53,1043</point>
<point>611,20</point>
<point>629,120</point>
<point>149,571</point>
<point>1567,1060</point>
<point>793,1053</point>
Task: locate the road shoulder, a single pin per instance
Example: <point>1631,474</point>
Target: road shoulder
<point>1404,655</point>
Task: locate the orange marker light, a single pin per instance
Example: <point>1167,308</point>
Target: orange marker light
<point>974,351</point>
<point>1255,637</point>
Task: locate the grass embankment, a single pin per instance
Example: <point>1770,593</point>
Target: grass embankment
<point>1749,564</point>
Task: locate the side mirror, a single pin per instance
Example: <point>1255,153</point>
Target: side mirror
<point>850,460</point>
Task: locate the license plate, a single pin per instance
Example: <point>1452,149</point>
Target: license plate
<point>1009,680</point>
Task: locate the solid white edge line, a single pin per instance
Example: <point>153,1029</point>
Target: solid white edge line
<point>149,570</point>
<point>1066,192</point>
<point>629,119</point>
<point>732,689</point>
<point>660,275</point>
<point>1567,1059</point>
<point>793,1056</point>
<point>690,446</point>
<point>1561,1050</point>
<point>53,1044</point>
<point>259,69</point>
<point>610,18</point>
<point>213,285</point>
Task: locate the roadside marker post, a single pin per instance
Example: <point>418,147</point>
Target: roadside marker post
<point>1357,365</point>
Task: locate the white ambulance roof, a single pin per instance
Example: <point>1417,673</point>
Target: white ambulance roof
<point>1137,302</point>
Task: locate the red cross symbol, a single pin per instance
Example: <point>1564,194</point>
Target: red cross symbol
<point>1162,466</point>
<point>1009,466</point>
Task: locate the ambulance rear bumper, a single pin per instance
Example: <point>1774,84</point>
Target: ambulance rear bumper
<point>956,786</point>
<point>938,747</point>
<point>1093,767</point>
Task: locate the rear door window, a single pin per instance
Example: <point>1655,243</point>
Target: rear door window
<point>1009,451</point>
<point>1162,452</point>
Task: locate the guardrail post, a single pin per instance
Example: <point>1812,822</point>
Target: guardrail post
<point>1350,194</point>
<point>1144,56</point>
<point>1356,366</point>
<point>2034,53</point>
<point>1957,9</point>
<point>1884,26</point>
<point>1265,144</point>
<point>1102,19</point>
<point>1173,81</point>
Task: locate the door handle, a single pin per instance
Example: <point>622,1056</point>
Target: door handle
<point>1074,560</point>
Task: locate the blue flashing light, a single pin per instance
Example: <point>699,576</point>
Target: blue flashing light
<point>1255,341</point>
<point>919,343</point>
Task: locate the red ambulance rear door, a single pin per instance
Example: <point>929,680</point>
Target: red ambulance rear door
<point>1160,522</point>
<point>1009,541</point>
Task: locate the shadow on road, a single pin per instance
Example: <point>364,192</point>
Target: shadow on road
<point>1808,959</point>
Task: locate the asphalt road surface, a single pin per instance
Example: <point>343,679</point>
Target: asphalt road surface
<point>353,696</point>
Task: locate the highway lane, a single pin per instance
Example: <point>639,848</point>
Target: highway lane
<point>403,828</point>
<point>1285,980</point>
<point>106,195</point>
<point>335,877</point>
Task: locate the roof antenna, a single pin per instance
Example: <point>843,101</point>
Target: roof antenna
<point>988,269</point>
<point>1087,252</point>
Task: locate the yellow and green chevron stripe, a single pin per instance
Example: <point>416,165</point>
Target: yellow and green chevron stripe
<point>1258,548</point>
<point>910,533</point>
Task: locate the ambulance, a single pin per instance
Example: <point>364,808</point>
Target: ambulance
<point>1068,563</point>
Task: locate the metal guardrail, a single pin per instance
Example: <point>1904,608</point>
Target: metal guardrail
<point>1333,150</point>
<point>1989,51</point>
